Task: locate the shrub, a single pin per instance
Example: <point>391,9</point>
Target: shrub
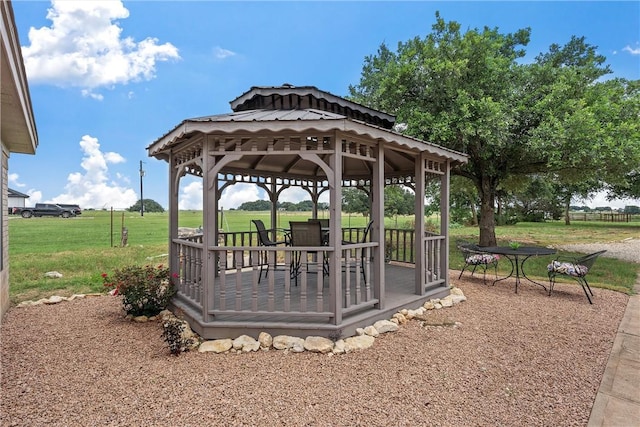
<point>145,290</point>
<point>174,335</point>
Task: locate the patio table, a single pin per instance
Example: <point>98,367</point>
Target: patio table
<point>517,258</point>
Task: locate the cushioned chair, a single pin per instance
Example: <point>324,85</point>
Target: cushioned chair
<point>264,239</point>
<point>574,268</point>
<point>474,257</point>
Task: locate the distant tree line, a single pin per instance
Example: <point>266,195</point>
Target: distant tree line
<point>265,205</point>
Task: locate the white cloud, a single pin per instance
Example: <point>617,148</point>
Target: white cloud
<point>221,53</point>
<point>294,195</point>
<point>13,180</point>
<point>631,50</point>
<point>94,188</point>
<point>35,196</point>
<point>84,48</point>
<point>191,196</point>
<point>600,200</point>
<point>235,195</point>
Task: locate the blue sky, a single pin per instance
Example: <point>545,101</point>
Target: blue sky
<point>107,78</point>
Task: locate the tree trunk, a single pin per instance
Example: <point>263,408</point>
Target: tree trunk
<point>567,218</point>
<point>487,216</point>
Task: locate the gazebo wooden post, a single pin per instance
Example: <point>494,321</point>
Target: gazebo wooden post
<point>420,186</point>
<point>314,200</point>
<point>210,198</point>
<point>377,230</point>
<point>445,182</point>
<point>273,197</point>
<point>174,259</point>
<point>335,230</point>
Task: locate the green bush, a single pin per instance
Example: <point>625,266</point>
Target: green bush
<point>173,334</point>
<point>145,290</point>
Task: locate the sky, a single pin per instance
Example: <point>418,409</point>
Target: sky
<point>108,78</point>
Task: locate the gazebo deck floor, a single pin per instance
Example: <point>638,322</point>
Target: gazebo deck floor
<point>295,313</point>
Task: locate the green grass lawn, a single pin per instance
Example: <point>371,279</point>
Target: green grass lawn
<point>83,248</point>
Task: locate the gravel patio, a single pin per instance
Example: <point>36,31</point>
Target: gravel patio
<point>513,359</point>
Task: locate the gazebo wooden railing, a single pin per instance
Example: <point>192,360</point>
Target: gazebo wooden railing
<point>236,294</point>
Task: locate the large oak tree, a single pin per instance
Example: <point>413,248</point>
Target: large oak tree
<point>474,92</point>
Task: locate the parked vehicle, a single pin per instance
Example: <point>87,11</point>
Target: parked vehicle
<point>75,208</point>
<point>44,209</point>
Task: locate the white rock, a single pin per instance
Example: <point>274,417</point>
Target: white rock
<point>401,318</point>
<point>54,299</point>
<point>429,305</point>
<point>246,344</point>
<point>456,291</point>
<point>360,342</point>
<point>458,298</point>
<point>285,342</point>
<point>216,346</point>
<point>265,340</point>
<point>383,326</point>
<point>339,347</point>
<point>318,344</point>
<point>420,311</point>
<point>371,331</point>
<point>447,301</point>
<point>140,319</point>
<point>53,274</point>
<point>25,304</point>
<point>165,314</point>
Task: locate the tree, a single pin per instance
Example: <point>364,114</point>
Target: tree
<point>355,200</point>
<point>256,205</point>
<point>470,92</point>
<point>149,206</point>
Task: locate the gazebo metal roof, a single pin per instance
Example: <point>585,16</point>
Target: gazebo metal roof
<point>266,129</point>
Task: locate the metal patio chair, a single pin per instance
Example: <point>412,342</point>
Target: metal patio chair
<point>264,239</point>
<point>574,268</point>
<point>474,257</point>
<point>306,234</point>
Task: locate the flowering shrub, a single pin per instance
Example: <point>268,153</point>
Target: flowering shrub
<point>145,290</point>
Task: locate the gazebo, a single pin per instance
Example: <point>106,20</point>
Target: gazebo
<point>285,136</point>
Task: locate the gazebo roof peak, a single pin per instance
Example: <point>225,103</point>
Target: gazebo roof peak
<point>290,97</point>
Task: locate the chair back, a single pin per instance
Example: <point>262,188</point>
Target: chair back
<point>263,234</point>
<point>588,260</point>
<point>305,233</point>
<point>464,246</point>
<point>324,222</point>
<point>367,230</point>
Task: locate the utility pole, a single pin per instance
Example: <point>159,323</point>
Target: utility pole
<point>141,196</point>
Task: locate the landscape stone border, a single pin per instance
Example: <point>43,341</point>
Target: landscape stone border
<point>364,338</point>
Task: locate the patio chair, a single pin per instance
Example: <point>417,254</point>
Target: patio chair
<point>308,234</point>
<point>474,257</point>
<point>324,227</point>
<point>264,239</point>
<point>574,268</point>
<point>363,255</point>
